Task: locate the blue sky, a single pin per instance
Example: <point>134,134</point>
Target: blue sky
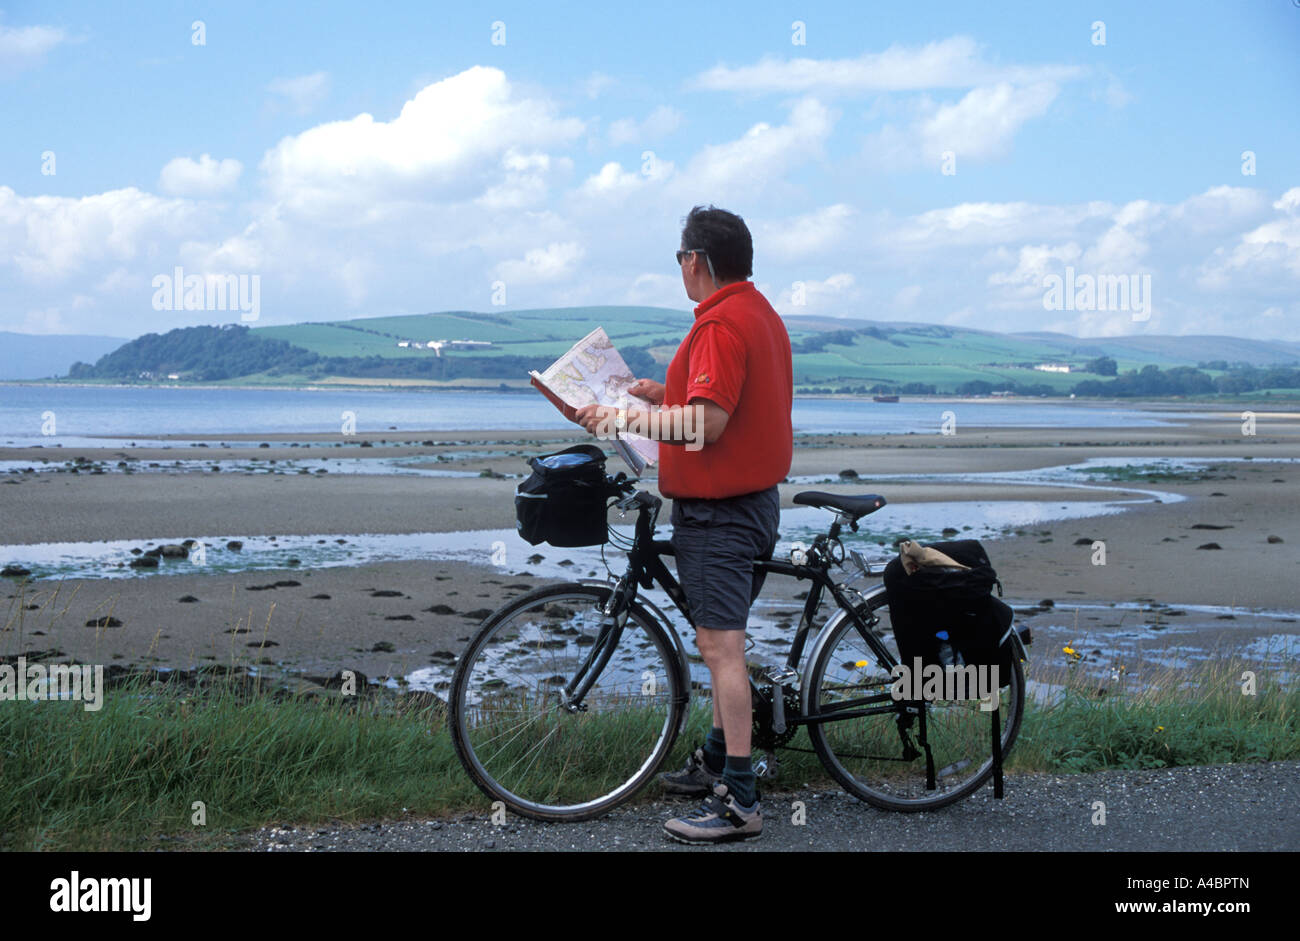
<point>367,160</point>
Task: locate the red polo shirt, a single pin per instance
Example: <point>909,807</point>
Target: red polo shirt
<point>737,355</point>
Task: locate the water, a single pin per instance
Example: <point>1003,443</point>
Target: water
<point>505,549</point>
<point>84,414</point>
<point>405,466</point>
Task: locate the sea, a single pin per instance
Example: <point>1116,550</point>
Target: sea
<point>84,415</point>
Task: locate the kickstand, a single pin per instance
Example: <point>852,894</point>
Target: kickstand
<point>997,755</point>
<point>929,756</point>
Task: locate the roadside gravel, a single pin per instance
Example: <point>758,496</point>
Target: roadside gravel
<point>1243,807</point>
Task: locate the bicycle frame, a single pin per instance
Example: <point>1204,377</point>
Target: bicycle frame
<point>646,569</point>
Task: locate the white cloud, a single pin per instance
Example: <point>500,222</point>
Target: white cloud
<point>526,180</point>
<point>992,223</point>
<point>541,264</point>
<point>611,178</point>
<point>23,47</point>
<point>906,296</point>
<point>656,290</point>
<point>984,121</point>
<point>804,235</point>
<point>443,144</point>
<point>809,296</point>
<point>595,84</point>
<point>1290,201</point>
<point>302,93</point>
<point>1116,95</point>
<point>978,127</point>
<point>52,237</point>
<point>612,185</point>
<point>203,177</point>
<point>43,321</point>
<point>1268,254</point>
<point>1024,283</point>
<point>950,63</point>
<point>758,159</point>
<point>660,122</point>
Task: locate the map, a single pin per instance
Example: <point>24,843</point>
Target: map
<point>592,373</point>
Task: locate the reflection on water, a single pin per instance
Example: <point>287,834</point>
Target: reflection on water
<point>507,551</point>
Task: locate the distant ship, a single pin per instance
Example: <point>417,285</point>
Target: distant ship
<point>884,398</point>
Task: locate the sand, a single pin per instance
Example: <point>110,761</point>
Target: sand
<point>1152,552</point>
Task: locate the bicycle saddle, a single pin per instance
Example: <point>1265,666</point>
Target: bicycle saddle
<point>856,507</point>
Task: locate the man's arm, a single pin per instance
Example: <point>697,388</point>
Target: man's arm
<point>700,422</point>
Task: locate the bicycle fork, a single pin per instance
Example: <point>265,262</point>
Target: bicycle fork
<point>611,630</point>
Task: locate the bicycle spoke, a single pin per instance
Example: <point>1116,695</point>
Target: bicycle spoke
<point>866,753</point>
<point>518,740</point>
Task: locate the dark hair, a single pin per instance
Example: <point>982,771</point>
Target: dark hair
<point>726,239</point>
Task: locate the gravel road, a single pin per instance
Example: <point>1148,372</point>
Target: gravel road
<point>1219,808</point>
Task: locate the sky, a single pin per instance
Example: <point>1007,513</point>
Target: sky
<point>938,162</point>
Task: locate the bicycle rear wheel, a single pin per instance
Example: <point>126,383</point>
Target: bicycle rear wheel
<point>869,756</point>
<point>519,740</point>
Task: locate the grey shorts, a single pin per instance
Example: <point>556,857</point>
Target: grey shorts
<point>716,542</point>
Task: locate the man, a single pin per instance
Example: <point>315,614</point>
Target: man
<point>733,375</point>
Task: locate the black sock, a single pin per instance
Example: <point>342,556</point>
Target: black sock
<point>739,777</point>
<point>715,750</point>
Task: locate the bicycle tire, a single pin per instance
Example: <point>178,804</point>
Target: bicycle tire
<point>865,754</point>
<point>581,766</point>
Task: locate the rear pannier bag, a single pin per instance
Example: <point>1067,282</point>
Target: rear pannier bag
<point>958,601</point>
<point>563,501</point>
<point>961,602</point>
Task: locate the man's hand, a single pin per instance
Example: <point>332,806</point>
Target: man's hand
<point>595,418</point>
<point>703,425</point>
<point>649,390</point>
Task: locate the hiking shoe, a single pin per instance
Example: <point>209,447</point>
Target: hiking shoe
<point>720,819</point>
<point>695,780</point>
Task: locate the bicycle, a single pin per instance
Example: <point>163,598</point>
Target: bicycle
<point>569,698</point>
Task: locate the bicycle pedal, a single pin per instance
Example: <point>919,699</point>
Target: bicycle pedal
<point>781,676</point>
<point>767,766</point>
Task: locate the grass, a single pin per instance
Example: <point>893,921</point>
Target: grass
<point>127,776</point>
<point>1197,716</point>
<point>1153,473</point>
<point>115,778</point>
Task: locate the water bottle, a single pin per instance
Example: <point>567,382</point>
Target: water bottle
<point>948,656</point>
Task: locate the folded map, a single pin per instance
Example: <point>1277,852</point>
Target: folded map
<point>592,373</point>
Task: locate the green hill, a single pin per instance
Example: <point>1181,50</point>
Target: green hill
<point>541,333</point>
<point>835,354</point>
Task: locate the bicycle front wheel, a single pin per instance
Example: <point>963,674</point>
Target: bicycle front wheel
<point>521,738</point>
<point>879,758</point>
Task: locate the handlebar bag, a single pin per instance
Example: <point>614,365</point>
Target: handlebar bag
<point>564,501</point>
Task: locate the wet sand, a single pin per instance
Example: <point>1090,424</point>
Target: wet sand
<point>377,617</point>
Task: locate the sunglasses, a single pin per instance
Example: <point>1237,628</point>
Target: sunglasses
<point>707,260</point>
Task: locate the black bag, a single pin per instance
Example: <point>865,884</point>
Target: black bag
<point>958,601</point>
<point>961,602</point>
<point>563,501</point>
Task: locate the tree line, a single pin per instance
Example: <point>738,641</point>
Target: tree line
<point>212,354</point>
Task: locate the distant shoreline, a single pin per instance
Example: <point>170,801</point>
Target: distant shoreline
<point>503,387</point>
